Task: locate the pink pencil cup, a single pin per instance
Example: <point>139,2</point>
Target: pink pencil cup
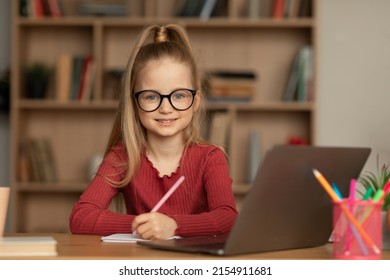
<point>349,241</point>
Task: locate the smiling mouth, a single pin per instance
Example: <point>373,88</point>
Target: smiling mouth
<point>166,120</point>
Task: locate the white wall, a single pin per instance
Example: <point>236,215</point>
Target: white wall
<point>354,75</point>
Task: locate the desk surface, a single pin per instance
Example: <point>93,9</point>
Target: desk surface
<point>91,247</point>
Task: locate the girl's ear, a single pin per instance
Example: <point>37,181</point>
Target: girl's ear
<point>197,100</point>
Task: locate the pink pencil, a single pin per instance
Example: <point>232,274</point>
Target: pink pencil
<point>168,194</point>
<point>352,190</point>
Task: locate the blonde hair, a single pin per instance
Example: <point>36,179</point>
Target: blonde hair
<point>169,41</point>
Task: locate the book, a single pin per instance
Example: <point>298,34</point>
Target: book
<point>231,88</point>
<point>46,8</point>
<point>45,158</point>
<point>254,9</point>
<point>23,164</point>
<point>299,85</point>
<point>74,77</point>
<point>77,70</point>
<point>33,162</point>
<point>292,83</point>
<point>207,9</point>
<point>192,8</point>
<point>64,77</point>
<point>219,129</point>
<point>304,9</point>
<point>23,8</point>
<point>86,68</point>
<point>220,9</point>
<point>28,246</point>
<point>294,8</point>
<point>291,9</point>
<point>38,8</point>
<point>278,9</point>
<point>286,8</point>
<point>305,74</point>
<point>55,8</point>
<point>86,94</point>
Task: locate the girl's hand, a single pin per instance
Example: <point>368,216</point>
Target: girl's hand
<point>154,226</point>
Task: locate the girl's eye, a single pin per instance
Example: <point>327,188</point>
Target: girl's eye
<point>182,94</point>
<point>178,95</point>
<point>150,97</point>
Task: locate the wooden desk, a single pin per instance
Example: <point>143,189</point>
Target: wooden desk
<point>90,247</point>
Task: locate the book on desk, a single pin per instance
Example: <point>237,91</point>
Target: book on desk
<point>28,246</point>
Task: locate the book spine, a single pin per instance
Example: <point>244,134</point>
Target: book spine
<point>83,76</point>
<point>207,9</point>
<point>254,9</point>
<point>54,6</point>
<point>33,160</point>
<point>64,77</point>
<point>278,9</point>
<point>292,83</point>
<point>77,68</point>
<point>90,78</point>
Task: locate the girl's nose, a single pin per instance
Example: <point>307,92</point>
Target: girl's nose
<point>166,106</point>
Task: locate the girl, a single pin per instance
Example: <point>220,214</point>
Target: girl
<point>154,141</point>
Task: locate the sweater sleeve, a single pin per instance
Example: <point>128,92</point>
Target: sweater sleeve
<point>221,203</point>
<point>90,215</point>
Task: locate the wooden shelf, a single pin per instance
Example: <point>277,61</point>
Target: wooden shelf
<point>28,104</point>
<point>187,22</point>
<point>57,187</point>
<point>112,105</point>
<point>264,106</point>
<point>80,130</point>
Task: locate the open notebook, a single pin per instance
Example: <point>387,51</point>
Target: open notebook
<point>286,207</point>
<point>126,238</point>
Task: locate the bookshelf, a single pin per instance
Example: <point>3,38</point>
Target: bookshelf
<point>78,130</point>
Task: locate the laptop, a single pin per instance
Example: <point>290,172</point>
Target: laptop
<point>286,208</point>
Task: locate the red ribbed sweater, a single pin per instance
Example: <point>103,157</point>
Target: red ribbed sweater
<point>203,204</point>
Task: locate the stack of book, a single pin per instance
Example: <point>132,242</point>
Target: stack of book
<point>12,246</point>
<point>74,77</point>
<point>230,86</point>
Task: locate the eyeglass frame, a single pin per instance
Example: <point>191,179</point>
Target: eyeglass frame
<point>168,96</point>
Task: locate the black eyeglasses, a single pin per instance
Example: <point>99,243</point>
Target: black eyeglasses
<point>150,100</point>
